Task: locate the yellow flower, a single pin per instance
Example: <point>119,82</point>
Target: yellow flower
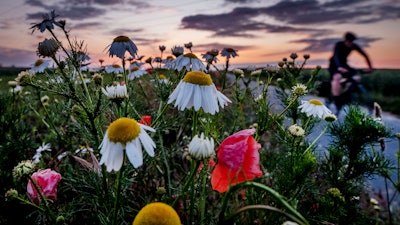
<point>157,213</point>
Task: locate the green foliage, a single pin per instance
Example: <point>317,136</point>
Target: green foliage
<point>57,107</point>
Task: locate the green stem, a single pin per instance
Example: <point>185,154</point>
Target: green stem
<point>194,166</point>
<point>164,155</point>
<point>229,219</point>
<point>203,193</point>
<point>117,196</point>
<point>43,198</point>
<point>316,139</point>
<point>274,194</point>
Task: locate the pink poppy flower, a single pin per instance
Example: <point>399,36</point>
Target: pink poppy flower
<point>238,160</point>
<point>47,181</point>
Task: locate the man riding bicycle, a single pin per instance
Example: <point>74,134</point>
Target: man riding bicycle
<point>338,67</point>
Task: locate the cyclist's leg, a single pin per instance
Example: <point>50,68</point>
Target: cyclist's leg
<point>336,89</point>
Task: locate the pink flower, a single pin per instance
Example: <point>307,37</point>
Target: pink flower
<point>238,160</point>
<point>47,181</point>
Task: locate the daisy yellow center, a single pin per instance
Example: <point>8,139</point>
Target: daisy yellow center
<point>190,55</point>
<point>39,62</point>
<point>123,130</point>
<point>116,66</point>
<point>198,77</point>
<point>121,39</point>
<point>157,213</point>
<point>134,69</point>
<point>315,102</point>
<point>162,77</point>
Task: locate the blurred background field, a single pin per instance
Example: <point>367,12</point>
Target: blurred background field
<point>382,84</point>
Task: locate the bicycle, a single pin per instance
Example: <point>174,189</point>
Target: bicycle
<point>353,92</point>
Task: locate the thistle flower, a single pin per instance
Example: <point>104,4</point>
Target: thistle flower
<point>48,48</point>
<point>120,45</point>
<point>125,133</point>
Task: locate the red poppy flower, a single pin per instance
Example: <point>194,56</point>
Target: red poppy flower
<point>146,120</point>
<point>238,160</point>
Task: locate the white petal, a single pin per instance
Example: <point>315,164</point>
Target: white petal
<point>134,153</point>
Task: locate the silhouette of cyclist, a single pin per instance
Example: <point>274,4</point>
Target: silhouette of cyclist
<point>338,67</point>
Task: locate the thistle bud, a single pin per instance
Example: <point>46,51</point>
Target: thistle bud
<point>48,48</point>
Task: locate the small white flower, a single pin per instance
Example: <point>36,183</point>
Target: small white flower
<point>296,130</point>
<point>118,91</point>
<point>299,90</point>
<point>40,65</point>
<point>114,68</point>
<point>200,147</point>
<point>315,108</point>
<point>135,72</point>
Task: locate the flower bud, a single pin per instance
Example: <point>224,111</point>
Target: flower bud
<point>48,48</point>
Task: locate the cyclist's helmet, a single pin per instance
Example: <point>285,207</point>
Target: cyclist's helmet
<point>349,36</point>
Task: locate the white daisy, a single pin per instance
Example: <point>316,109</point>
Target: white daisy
<point>125,133</point>
<point>135,72</point>
<point>314,107</point>
<point>200,147</point>
<point>189,61</point>
<point>229,52</point>
<point>117,91</point>
<point>114,68</point>
<point>197,90</point>
<point>122,44</point>
<point>40,65</point>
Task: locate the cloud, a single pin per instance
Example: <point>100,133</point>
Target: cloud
<point>237,23</point>
<point>215,45</point>
<point>327,44</point>
<point>295,16</point>
<point>16,57</point>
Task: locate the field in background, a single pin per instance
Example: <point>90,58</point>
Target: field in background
<point>383,85</point>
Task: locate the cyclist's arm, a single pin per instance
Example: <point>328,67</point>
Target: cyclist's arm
<point>358,49</point>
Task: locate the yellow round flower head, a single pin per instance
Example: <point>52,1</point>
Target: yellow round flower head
<point>125,134</point>
<point>157,213</point>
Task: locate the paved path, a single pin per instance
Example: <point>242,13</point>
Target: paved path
<point>376,184</point>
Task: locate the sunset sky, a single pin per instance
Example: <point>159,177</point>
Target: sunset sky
<point>263,31</point>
